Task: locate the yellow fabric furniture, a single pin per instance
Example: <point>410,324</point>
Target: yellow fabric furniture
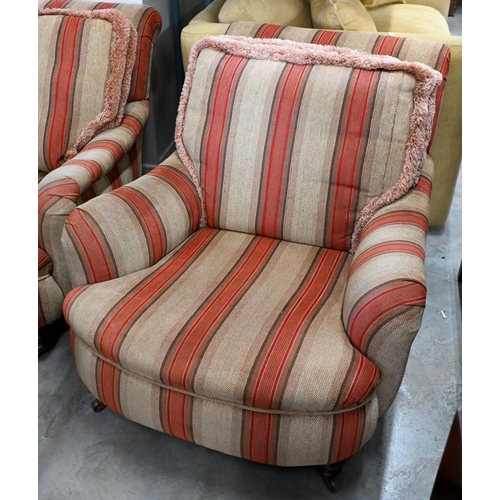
<point>446,149</point>
<point>341,15</point>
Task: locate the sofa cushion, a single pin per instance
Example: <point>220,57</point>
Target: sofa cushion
<point>409,19</point>
<point>370,4</point>
<point>286,12</point>
<point>348,15</point>
<point>256,141</point>
<point>175,323</point>
<point>85,62</point>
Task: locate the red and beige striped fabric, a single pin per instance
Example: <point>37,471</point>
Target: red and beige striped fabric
<point>227,316</point>
<point>109,161</point>
<point>114,157</point>
<point>284,438</point>
<point>385,296</point>
<point>157,212</point>
<point>264,332</point>
<point>433,54</point>
<point>147,22</point>
<point>304,147</point>
<point>85,61</point>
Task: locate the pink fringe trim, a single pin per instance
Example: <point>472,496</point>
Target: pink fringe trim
<point>122,60</point>
<point>422,117</point>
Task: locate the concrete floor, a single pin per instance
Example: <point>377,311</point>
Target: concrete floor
<point>87,455</point>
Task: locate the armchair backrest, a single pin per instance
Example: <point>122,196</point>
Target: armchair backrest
<point>302,142</point>
<point>94,57</point>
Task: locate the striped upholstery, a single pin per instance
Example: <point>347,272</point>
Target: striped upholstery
<point>293,150</point>
<point>94,233</point>
<point>179,325</point>
<point>147,22</point>
<point>241,296</point>
<point>286,438</point>
<point>385,295</point>
<point>434,54</point>
<point>84,68</point>
<point>113,157</point>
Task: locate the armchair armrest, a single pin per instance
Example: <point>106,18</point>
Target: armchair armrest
<point>60,191</point>
<point>386,291</point>
<point>132,227</point>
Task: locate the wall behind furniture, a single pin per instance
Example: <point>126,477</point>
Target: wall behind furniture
<point>165,87</point>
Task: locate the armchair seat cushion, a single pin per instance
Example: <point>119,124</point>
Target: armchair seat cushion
<point>233,317</point>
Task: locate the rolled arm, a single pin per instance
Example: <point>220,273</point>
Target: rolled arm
<point>132,227</point>
<point>386,291</point>
<point>60,191</point>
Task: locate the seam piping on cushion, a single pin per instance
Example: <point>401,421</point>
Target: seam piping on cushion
<point>231,403</point>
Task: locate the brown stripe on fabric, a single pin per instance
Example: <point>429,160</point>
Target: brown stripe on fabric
<point>270,372</point>
<point>215,135</point>
<point>185,189</point>
<point>259,437</point>
<point>278,149</point>
<point>133,156</point>
<point>149,220</point>
<point>108,385</point>
<point>381,305</point>
<point>181,363</point>
<point>120,319</point>
<point>347,162</point>
<point>176,414</point>
<point>64,73</point>
<point>91,246</point>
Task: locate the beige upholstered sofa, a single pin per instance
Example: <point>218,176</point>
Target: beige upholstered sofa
<point>422,19</point>
<point>94,62</point>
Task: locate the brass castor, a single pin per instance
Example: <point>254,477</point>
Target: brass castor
<point>329,474</point>
<point>97,406</point>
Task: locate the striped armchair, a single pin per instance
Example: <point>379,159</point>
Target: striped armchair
<point>94,62</point>
<point>259,291</point>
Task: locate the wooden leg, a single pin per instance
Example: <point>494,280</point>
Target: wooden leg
<point>97,406</point>
<point>330,473</point>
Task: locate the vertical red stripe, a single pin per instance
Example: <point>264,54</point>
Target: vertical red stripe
<point>348,163</point>
<point>108,381</point>
<point>62,89</point>
<point>280,141</point>
<point>115,326</point>
<point>205,323</point>
<point>272,366</point>
<point>217,131</point>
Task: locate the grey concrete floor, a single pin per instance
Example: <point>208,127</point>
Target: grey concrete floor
<point>87,455</point>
